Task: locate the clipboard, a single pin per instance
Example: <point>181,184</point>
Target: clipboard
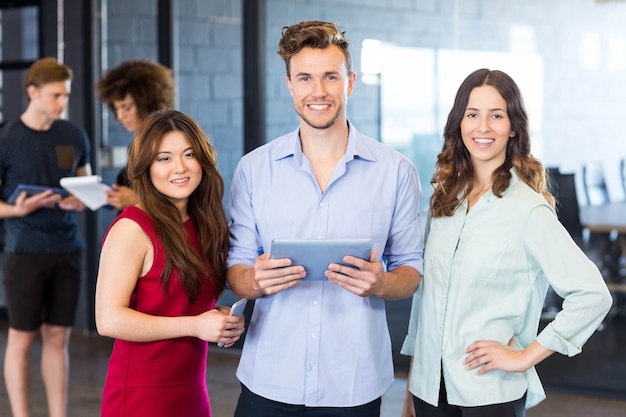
<point>316,254</point>
<point>88,188</point>
<point>32,189</point>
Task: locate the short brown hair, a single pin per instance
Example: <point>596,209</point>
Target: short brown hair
<point>150,84</point>
<point>312,34</point>
<point>45,71</point>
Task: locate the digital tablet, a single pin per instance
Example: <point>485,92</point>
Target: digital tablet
<point>35,189</point>
<point>316,254</point>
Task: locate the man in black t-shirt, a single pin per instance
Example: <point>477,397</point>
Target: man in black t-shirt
<point>43,245</point>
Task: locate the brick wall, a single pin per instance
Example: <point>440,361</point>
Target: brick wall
<point>210,74</point>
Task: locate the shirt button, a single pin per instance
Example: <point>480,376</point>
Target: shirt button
<point>313,335</point>
<point>315,302</point>
<point>320,237</point>
<point>322,204</point>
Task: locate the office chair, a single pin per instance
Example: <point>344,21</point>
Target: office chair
<point>563,188</point>
<point>597,246</point>
<point>594,184</point>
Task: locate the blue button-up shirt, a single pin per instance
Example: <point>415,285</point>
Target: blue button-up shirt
<point>486,276</point>
<point>315,343</point>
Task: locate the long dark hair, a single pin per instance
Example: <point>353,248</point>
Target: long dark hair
<point>204,206</point>
<point>454,172</point>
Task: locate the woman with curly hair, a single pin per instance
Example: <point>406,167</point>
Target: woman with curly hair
<point>132,90</point>
<point>493,248</point>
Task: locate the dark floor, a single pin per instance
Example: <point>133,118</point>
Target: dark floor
<point>592,384</point>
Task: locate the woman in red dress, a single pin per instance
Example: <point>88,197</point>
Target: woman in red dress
<point>162,268</point>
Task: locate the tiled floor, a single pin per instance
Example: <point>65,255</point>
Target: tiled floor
<point>89,355</point>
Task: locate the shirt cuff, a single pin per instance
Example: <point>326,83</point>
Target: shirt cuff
<point>549,339</point>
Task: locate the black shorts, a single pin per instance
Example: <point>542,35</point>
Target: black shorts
<point>41,289</point>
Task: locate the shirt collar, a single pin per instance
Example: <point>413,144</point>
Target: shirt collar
<point>356,148</point>
<point>490,197</point>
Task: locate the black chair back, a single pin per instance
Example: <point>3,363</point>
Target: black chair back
<point>563,187</point>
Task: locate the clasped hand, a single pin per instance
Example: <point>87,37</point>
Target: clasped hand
<point>218,327</point>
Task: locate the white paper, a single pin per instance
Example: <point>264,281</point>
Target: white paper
<point>89,189</point>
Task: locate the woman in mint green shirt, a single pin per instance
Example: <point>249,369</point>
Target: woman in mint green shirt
<point>494,246</point>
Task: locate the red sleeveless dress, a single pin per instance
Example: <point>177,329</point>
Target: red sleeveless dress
<point>167,377</point>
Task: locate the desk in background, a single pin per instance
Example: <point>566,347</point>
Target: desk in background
<point>604,218</point>
<point>610,219</point>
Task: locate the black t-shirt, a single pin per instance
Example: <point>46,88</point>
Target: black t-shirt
<point>42,158</point>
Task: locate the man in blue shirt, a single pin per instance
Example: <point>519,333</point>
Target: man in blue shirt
<point>42,259</point>
<point>317,344</point>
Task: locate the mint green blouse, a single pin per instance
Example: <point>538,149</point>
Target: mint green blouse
<point>486,274</point>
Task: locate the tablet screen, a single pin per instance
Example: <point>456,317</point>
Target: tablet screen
<point>35,189</point>
<point>316,254</point>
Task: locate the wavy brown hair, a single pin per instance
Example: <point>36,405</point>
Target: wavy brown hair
<point>204,205</point>
<point>454,173</point>
<point>312,34</point>
<point>150,84</point>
